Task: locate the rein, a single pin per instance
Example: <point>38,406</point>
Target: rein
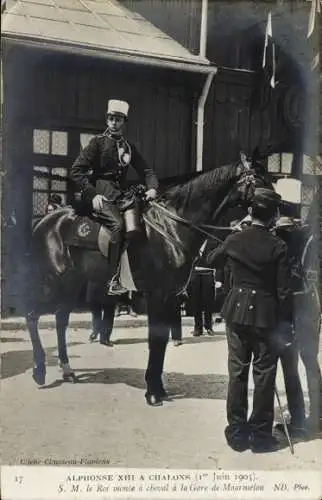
<point>190,224</point>
<point>250,184</point>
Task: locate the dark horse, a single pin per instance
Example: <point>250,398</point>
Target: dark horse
<point>164,257</point>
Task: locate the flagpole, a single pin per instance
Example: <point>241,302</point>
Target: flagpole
<point>269,54</point>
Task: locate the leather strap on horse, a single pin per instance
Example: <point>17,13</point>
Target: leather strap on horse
<point>160,230</point>
<point>185,222</point>
<point>250,183</point>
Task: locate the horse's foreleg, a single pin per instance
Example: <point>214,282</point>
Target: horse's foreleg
<point>62,319</point>
<point>158,339</point>
<point>96,310</point>
<point>108,322</point>
<point>39,358</point>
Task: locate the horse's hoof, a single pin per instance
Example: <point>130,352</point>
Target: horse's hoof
<point>70,377</point>
<point>107,343</point>
<point>153,400</point>
<point>165,396</point>
<point>93,336</point>
<point>39,374</point>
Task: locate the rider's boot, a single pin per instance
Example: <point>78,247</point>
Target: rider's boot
<point>115,287</point>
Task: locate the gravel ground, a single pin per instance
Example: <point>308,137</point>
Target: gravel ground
<point>104,418</point>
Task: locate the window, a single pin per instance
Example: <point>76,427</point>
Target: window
<point>47,142</point>
<point>41,141</point>
<point>84,139</point>
<point>47,181</point>
<point>307,197</point>
<point>59,144</point>
<point>280,163</point>
<point>312,165</point>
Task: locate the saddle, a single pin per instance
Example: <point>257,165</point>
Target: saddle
<point>84,232</point>
<point>90,232</point>
<point>72,230</point>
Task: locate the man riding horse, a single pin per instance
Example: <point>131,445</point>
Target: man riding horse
<point>100,172</point>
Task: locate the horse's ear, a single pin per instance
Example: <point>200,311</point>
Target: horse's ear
<point>243,156</point>
<point>256,154</point>
<point>263,154</point>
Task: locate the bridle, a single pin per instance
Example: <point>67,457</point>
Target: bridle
<point>246,178</point>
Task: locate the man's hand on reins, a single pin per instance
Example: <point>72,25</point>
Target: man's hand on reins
<point>150,194</point>
<point>98,202</point>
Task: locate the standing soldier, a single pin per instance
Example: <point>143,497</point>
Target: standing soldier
<point>260,298</point>
<point>307,330</point>
<point>102,308</point>
<point>100,173</point>
<point>202,294</point>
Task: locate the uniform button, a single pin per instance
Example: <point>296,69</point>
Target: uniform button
<point>254,292</point>
<point>251,307</point>
<point>238,305</point>
<point>240,289</point>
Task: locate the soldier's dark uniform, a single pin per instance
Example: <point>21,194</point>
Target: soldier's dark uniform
<point>307,336</point>
<point>202,296</point>
<point>259,299</point>
<point>101,168</point>
<point>289,358</point>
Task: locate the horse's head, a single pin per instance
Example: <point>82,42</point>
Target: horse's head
<point>251,174</point>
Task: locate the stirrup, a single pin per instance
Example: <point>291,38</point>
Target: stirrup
<point>115,287</point>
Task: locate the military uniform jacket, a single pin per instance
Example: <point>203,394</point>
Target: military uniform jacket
<point>295,241</point>
<point>260,295</point>
<point>101,168</point>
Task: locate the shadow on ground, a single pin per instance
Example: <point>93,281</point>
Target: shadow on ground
<point>204,386</point>
<point>17,362</point>
<point>5,340</point>
<point>179,385</point>
<point>186,340</point>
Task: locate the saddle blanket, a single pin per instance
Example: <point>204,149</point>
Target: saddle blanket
<point>86,233</point>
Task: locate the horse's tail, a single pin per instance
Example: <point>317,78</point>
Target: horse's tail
<point>48,242</point>
<point>50,259</point>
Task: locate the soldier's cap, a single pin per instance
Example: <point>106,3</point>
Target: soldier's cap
<point>116,107</point>
<point>266,198</point>
<point>284,222</point>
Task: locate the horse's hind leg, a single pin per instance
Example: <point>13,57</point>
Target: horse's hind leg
<point>62,319</point>
<point>39,358</point>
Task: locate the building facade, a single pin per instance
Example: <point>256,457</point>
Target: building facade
<point>63,59</point>
<point>61,64</point>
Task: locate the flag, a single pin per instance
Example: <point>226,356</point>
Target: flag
<point>316,7</point>
<point>315,62</point>
<point>269,56</point>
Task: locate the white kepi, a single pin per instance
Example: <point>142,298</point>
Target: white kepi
<point>116,107</point>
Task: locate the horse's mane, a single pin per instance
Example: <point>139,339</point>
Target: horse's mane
<point>196,188</point>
